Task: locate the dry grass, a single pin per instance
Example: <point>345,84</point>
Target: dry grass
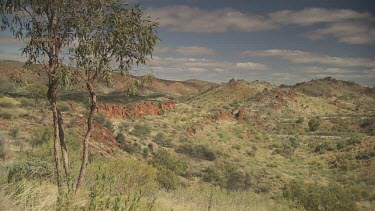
<point>205,197</point>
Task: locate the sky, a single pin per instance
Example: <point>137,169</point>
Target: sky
<point>279,41</point>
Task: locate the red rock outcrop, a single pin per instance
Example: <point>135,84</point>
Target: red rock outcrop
<point>238,114</point>
<point>112,111</point>
<point>223,115</point>
<point>138,110</point>
<point>145,109</point>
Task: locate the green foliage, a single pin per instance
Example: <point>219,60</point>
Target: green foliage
<point>120,138</point>
<point>30,168</point>
<point>121,184</point>
<point>125,175</point>
<point>317,197</point>
<point>369,126</point>
<point>288,147</point>
<point>132,148</point>
<point>163,140</point>
<point>6,104</point>
<point>37,91</point>
<point>236,180</point>
<point>100,118</point>
<point>6,115</point>
<point>109,125</point>
<point>198,151</point>
<point>168,179</point>
<point>212,175</point>
<point>300,120</point>
<point>324,147</point>
<point>40,136</point>
<point>314,124</point>
<point>164,159</point>
<point>141,131</point>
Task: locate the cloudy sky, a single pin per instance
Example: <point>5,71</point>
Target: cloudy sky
<point>281,41</point>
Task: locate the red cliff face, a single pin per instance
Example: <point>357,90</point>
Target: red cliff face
<point>138,110</point>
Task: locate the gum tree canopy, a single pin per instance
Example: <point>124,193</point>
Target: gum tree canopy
<point>98,36</point>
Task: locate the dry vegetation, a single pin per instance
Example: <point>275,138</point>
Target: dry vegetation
<point>308,146</point>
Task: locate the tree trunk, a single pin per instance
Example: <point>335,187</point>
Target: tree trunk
<point>52,88</point>
<point>90,88</point>
<point>64,150</point>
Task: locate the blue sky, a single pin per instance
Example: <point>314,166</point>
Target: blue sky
<point>280,41</point>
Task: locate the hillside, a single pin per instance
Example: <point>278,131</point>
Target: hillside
<point>153,87</point>
<point>194,144</point>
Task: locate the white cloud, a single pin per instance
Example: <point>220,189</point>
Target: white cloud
<point>348,32</point>
<point>192,19</point>
<point>316,69</point>
<point>186,50</point>
<point>251,66</point>
<point>305,57</point>
<point>311,16</point>
<point>170,64</point>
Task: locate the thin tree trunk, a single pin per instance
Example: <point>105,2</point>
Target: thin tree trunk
<point>64,150</point>
<point>52,99</point>
<point>90,88</point>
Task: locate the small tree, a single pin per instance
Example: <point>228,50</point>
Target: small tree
<point>114,40</point>
<point>49,27</point>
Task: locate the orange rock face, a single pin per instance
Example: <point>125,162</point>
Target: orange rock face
<point>138,110</point>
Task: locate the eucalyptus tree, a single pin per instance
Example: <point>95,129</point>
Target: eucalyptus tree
<point>48,27</point>
<point>115,40</point>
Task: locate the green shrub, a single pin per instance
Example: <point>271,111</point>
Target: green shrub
<point>198,151</point>
<point>6,115</point>
<point>6,104</point>
<point>369,126</point>
<point>163,140</point>
<point>124,126</point>
<point>141,131</point>
<point>163,159</point>
<point>120,138</point>
<point>40,136</point>
<point>211,174</point>
<point>236,180</point>
<point>167,179</point>
<point>287,149</point>
<point>132,148</point>
<point>100,118</point>
<point>314,124</point>
<point>30,168</point>
<point>325,146</point>
<point>317,197</point>
<point>109,125</point>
